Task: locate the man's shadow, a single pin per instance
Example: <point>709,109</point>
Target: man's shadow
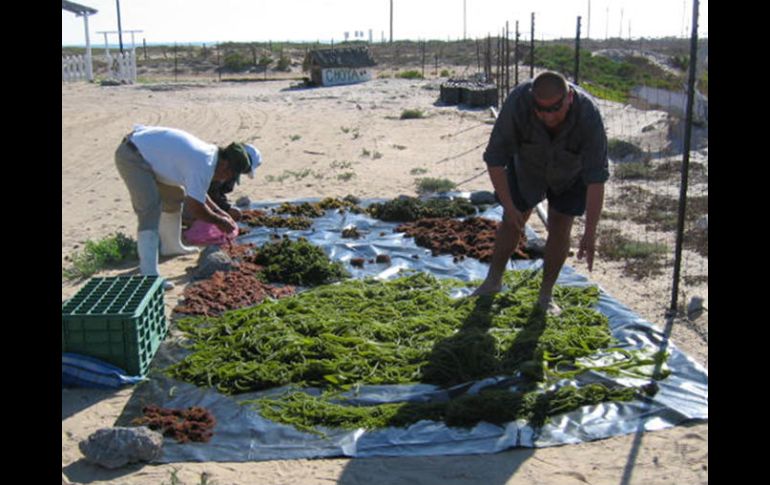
<point>456,363</point>
<point>472,354</point>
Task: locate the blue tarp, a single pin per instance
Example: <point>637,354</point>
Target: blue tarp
<point>242,434</point>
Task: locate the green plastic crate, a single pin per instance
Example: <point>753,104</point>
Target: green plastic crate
<point>119,319</point>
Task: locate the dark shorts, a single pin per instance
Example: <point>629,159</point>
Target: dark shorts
<point>571,202</point>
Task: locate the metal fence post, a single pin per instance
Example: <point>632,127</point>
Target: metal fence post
<point>577,52</point>
<point>532,49</point>
<point>685,159</point>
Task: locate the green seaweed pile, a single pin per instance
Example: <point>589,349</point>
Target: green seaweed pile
<point>297,263</point>
<point>497,406</point>
<point>257,218</point>
<point>305,209</point>
<point>408,209</point>
<point>318,209</point>
<point>407,330</point>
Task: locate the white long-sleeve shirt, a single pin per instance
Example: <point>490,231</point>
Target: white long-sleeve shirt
<point>177,158</point>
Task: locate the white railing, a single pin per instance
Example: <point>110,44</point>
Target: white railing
<point>122,67</point>
<point>75,68</point>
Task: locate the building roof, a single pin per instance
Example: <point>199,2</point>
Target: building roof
<point>345,57</point>
<point>77,8</point>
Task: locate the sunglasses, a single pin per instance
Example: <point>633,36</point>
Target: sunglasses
<point>550,109</point>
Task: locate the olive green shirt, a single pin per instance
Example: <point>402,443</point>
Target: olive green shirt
<point>522,143</point>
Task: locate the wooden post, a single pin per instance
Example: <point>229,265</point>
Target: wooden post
<point>89,64</point>
<point>422,45</point>
<point>478,56</point>
<point>219,65</point>
<point>175,62</point>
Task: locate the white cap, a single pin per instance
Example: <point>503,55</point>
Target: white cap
<point>255,157</point>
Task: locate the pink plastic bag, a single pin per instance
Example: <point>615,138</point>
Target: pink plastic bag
<point>204,233</point>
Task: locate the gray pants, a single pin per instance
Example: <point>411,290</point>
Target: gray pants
<point>148,196</point>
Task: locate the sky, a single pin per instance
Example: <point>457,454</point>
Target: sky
<point>186,21</point>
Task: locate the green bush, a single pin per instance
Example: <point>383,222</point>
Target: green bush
<point>619,149</point>
<point>236,62</point>
<point>604,77</point>
<point>409,75</point>
<point>429,184</point>
<point>284,64</point>
<point>641,258</point>
<point>97,255</point>
<point>633,171</point>
<point>412,114</point>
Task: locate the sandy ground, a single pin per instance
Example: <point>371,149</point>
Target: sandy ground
<point>312,140</point>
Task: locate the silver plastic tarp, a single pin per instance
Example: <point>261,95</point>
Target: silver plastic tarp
<point>241,434</point>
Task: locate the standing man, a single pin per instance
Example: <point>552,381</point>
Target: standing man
<point>549,143</point>
<point>164,167</point>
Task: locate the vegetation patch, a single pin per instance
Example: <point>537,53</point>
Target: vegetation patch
<point>698,173</point>
<point>408,209</point>
<point>658,212</point>
<point>296,175</point>
<point>641,258</point>
<point>430,185</point>
<point>697,240</point>
<point>633,171</point>
<point>412,74</point>
<point>412,114</point>
<point>604,77</point>
<point>97,255</point>
<point>619,149</point>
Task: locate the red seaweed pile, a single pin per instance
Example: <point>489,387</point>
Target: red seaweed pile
<point>472,237</point>
<point>184,425</point>
<point>229,290</point>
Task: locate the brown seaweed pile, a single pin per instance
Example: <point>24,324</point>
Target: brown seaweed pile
<point>472,237</point>
<point>184,425</point>
<point>229,290</point>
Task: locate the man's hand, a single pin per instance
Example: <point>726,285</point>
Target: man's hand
<point>587,249</point>
<point>513,218</point>
<point>235,213</point>
<point>227,224</point>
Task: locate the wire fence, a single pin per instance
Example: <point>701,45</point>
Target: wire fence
<point>641,86</point>
<point>655,220</point>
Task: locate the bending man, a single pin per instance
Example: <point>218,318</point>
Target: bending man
<point>164,167</point>
<point>549,143</point>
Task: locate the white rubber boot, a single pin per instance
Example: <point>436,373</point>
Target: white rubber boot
<point>147,247</point>
<point>170,229</point>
